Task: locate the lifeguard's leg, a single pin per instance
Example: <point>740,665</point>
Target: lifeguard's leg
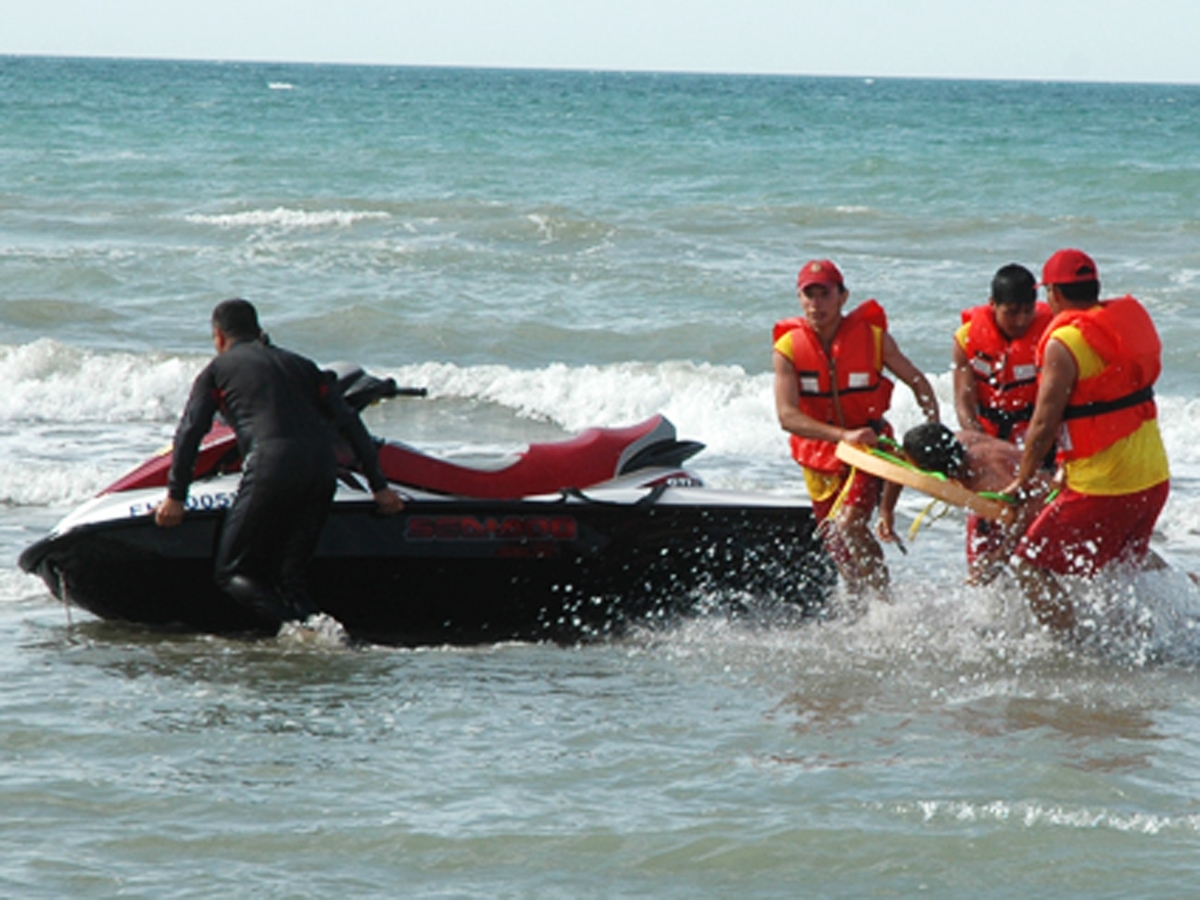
<point>863,565</point>
<point>1047,598</point>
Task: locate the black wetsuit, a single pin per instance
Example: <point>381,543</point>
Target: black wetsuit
<point>286,414</point>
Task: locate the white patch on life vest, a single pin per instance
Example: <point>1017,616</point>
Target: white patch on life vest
<point>810,385</point>
<point>859,380</point>
<point>982,366</point>
<point>1064,438</point>
<point>1025,373</point>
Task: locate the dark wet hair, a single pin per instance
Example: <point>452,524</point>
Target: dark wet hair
<point>934,447</point>
<point>238,319</point>
<point>1014,284</point>
<point>1080,291</point>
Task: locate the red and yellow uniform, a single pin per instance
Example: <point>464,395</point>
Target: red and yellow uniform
<point>1117,477</point>
<point>1005,370</point>
<point>845,387</point>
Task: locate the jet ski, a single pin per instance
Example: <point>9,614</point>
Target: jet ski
<point>563,541</point>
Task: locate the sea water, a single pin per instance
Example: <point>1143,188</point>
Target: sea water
<point>545,251</point>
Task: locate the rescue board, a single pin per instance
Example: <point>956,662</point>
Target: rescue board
<point>895,469</point>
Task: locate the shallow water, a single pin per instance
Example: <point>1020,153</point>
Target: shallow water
<point>914,749</point>
<point>545,252</point>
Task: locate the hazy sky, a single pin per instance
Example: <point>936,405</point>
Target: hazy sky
<point>1094,40</point>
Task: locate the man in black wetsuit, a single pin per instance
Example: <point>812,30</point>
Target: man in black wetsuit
<point>286,414</point>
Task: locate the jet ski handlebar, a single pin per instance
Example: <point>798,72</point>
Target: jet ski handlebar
<point>361,389</point>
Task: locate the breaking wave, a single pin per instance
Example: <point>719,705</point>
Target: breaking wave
<point>285,219</point>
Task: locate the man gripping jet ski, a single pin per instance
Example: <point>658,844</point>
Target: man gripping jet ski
<point>286,414</point>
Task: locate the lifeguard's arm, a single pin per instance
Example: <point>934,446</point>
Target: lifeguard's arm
<point>1057,379</point>
<point>793,421</point>
<point>988,565</point>
<point>901,366</point>
<point>966,398</point>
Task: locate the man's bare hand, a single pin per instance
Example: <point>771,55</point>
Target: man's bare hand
<point>388,502</point>
<point>865,435</point>
<point>169,513</point>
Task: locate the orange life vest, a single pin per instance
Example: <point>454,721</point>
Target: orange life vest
<point>1005,370</point>
<point>1113,404</point>
<point>859,395</point>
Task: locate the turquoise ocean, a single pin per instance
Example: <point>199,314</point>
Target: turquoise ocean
<point>545,251</point>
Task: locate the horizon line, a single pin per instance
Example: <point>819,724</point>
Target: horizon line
<point>255,61</point>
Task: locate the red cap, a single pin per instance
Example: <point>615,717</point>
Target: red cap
<point>819,271</point>
<point>1067,267</point>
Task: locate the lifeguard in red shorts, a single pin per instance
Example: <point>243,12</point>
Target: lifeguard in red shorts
<point>1099,361</point>
<point>830,386</point>
<point>995,379</point>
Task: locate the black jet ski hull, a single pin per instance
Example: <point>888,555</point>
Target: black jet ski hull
<point>462,571</point>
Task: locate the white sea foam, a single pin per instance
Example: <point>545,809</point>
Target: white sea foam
<point>16,585</point>
<point>285,219</point>
<point>976,637</point>
<point>47,381</point>
<point>72,415</point>
<point>731,411</point>
<point>1035,815</point>
<point>50,482</point>
<point>706,402</point>
<point>74,419</point>
<point>319,631</point>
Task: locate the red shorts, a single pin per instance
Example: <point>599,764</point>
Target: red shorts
<point>863,493</point>
<point>983,536</point>
<point>1079,534</point>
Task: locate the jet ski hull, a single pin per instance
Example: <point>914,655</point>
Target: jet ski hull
<point>480,553</point>
<point>561,568</point>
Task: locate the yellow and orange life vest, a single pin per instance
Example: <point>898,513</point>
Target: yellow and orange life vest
<point>1005,370</point>
<point>1115,402</point>
<point>845,387</point>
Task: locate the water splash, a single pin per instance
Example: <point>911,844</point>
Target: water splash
<point>318,631</point>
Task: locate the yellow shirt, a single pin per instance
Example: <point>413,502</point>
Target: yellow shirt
<point>821,485</point>
<point>1134,463</point>
<point>784,346</point>
<point>961,335</point>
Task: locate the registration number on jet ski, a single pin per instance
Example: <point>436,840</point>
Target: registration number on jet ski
<point>215,500</point>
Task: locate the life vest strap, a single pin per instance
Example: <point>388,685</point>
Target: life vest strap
<point>1004,420</point>
<point>1004,417</point>
<point>992,382</point>
<point>1100,407</point>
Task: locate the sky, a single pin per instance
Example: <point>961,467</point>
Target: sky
<point>1069,40</point>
